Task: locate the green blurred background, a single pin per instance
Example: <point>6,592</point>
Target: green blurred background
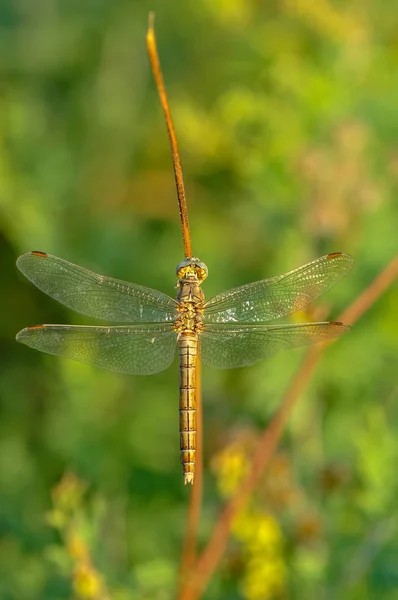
<point>287,120</point>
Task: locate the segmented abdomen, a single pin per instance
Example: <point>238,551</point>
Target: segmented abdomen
<point>188,349</point>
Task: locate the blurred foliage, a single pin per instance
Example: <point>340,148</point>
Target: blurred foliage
<point>262,559</point>
<point>287,123</point>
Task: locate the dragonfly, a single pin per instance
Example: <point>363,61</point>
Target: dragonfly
<point>229,330</point>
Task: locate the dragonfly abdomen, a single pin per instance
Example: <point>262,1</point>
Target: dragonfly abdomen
<point>188,348</point>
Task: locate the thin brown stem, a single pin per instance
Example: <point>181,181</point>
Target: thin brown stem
<point>189,547</point>
<point>215,548</point>
<point>195,498</point>
<point>372,293</point>
<point>157,73</point>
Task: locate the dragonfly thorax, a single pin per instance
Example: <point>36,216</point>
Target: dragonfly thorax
<point>190,292</point>
<point>190,300</point>
<point>191,272</point>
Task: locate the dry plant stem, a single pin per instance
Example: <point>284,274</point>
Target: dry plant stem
<point>371,294</point>
<point>157,73</point>
<point>189,549</point>
<point>215,548</point>
<point>195,498</point>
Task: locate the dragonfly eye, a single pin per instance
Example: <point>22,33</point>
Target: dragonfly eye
<point>202,273</point>
<point>193,267</point>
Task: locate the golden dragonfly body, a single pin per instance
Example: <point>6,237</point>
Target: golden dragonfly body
<point>227,331</point>
<point>189,325</point>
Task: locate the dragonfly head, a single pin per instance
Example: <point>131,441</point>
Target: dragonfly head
<point>192,268</point>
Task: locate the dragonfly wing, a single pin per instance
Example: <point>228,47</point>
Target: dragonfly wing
<point>95,295</point>
<point>279,296</point>
<point>229,346</point>
<point>136,349</point>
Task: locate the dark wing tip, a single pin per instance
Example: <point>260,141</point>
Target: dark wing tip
<point>24,333</point>
<point>346,257</point>
<point>340,325</point>
<point>23,261</point>
<point>39,253</point>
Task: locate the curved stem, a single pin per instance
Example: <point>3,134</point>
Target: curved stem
<point>213,552</point>
<point>157,73</point>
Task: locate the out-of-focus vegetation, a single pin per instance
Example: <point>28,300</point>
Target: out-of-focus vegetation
<point>287,120</point>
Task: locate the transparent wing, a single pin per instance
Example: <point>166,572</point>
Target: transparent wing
<point>279,296</point>
<point>230,346</point>
<point>95,295</point>
<point>137,349</point>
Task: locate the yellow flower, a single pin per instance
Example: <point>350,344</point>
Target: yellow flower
<point>230,466</point>
<point>265,574</point>
<point>86,582</point>
<point>259,532</point>
<point>268,536</point>
<point>264,579</point>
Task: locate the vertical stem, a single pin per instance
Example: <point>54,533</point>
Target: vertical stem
<point>195,498</point>
<point>157,73</point>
